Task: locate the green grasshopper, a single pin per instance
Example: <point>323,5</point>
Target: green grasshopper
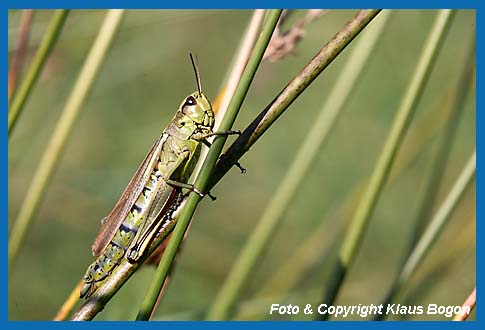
<point>149,206</point>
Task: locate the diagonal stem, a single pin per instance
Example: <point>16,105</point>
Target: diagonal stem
<point>289,94</point>
<point>207,168</point>
<point>231,288</point>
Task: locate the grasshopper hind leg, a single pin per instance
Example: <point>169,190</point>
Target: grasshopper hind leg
<point>162,226</point>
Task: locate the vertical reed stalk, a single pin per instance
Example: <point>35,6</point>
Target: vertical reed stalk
<point>368,202</point>
<point>316,137</point>
<point>229,293</point>
<point>45,47</point>
<point>52,155</point>
<point>432,232</point>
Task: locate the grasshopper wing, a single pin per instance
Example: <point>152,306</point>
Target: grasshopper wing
<point>129,196</point>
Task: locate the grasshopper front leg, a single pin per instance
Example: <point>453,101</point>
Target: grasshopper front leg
<point>203,139</point>
<point>202,136</point>
<point>226,133</point>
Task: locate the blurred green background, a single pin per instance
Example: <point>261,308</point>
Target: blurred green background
<point>146,75</point>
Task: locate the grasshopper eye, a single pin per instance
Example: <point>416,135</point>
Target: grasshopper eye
<point>190,101</point>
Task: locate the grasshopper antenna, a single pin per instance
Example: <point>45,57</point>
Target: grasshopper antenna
<point>196,71</point>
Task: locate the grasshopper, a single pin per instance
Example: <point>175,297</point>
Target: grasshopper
<point>149,205</point>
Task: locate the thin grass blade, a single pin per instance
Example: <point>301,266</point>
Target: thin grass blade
<point>370,197</point>
<point>45,48</point>
<point>316,137</point>
<point>53,153</point>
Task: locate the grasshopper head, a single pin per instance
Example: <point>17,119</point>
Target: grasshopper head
<point>195,117</point>
<point>197,107</point>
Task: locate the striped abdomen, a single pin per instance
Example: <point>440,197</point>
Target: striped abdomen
<point>102,267</point>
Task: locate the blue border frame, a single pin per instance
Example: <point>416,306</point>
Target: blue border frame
<point>247,4</point>
<point>465,4</point>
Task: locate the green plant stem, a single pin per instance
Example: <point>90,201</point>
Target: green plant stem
<point>233,75</point>
<point>18,57</point>
<point>45,47</point>
<point>312,247</point>
<point>358,224</point>
<point>207,168</point>
<point>433,231</point>
<point>121,273</point>
<point>440,160</point>
<point>224,301</point>
<point>55,148</point>
<point>443,150</point>
<point>294,88</point>
<point>321,128</point>
<point>111,285</point>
